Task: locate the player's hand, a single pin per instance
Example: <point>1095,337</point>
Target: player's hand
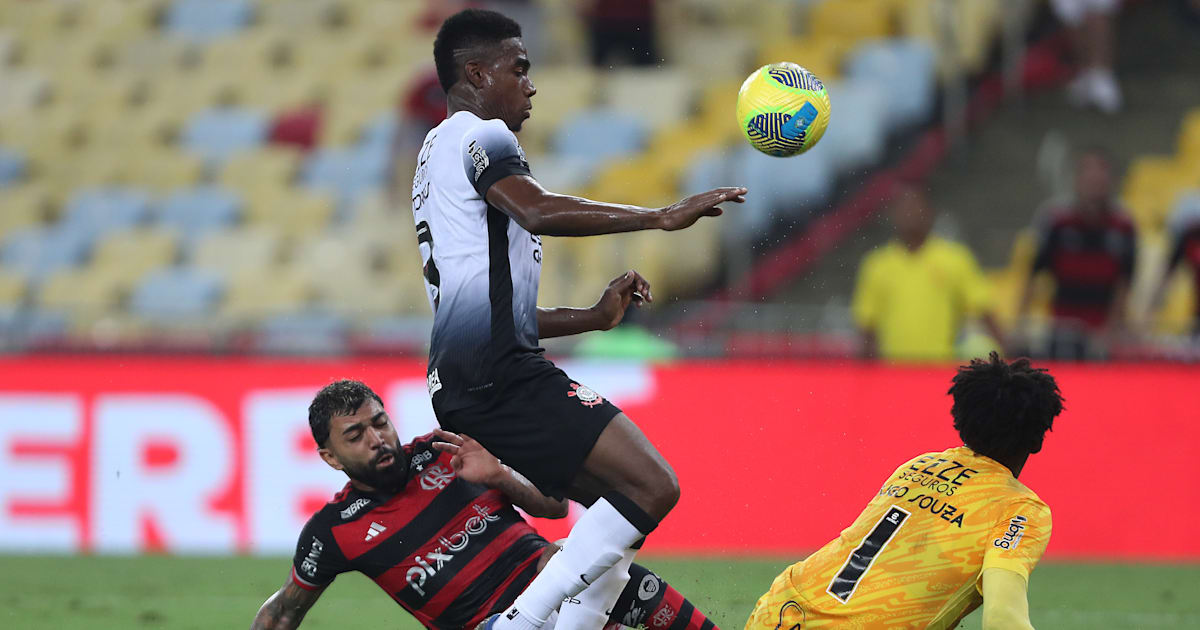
<point>629,287</point>
<point>471,461</point>
<point>686,212</point>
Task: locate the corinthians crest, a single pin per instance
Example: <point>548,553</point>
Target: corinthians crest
<point>586,395</point>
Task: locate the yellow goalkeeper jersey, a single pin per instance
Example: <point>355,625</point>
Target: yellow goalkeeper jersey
<point>914,557</point>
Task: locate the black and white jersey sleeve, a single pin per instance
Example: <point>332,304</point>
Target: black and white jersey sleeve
<point>490,154</point>
<point>318,559</point>
<point>481,268</point>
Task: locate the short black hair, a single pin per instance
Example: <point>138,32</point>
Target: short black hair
<point>1003,410</point>
<point>467,29</point>
<point>339,398</point>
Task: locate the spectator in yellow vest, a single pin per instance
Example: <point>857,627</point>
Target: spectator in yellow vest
<point>914,294</point>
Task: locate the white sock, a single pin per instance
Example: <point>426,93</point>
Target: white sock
<point>590,609</point>
<point>598,541</point>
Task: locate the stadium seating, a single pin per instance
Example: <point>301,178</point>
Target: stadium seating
<point>185,92</point>
<point>176,293</point>
<point>195,212</point>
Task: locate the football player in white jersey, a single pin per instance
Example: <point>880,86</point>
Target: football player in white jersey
<point>480,215</point>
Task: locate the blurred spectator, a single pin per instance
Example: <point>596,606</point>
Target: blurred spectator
<point>1091,24</point>
<point>1088,247</point>
<point>621,31</point>
<point>422,107</point>
<point>914,294</point>
<point>1184,234</point>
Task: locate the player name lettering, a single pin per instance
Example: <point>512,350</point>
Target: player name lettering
<point>941,468</point>
<point>938,507</point>
<point>429,564</point>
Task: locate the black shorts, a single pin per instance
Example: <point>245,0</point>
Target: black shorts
<point>541,423</point>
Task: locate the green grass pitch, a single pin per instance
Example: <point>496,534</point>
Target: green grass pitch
<point>183,593</point>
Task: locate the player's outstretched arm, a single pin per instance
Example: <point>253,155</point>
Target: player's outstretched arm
<point>1005,603</point>
<point>543,212</point>
<point>286,608</point>
<point>472,462</point>
<point>627,288</point>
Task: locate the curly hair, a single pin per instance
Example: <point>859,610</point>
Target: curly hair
<point>1002,409</point>
<point>464,30</point>
<point>339,398</point>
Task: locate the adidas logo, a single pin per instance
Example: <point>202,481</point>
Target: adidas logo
<point>375,530</point>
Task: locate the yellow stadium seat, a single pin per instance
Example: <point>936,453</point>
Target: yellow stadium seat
<point>658,96</point>
<point>1177,315</point>
<point>1189,142</point>
<point>267,166</point>
<point>714,53</point>
<point>133,253</point>
<point>561,91</point>
<point>23,206</point>
<point>639,181</point>
<point>293,212</point>
<point>84,291</point>
<point>389,232</point>
<point>820,55</point>
<point>392,18</point>
<point>164,170</point>
<point>676,146</point>
<point>258,292</point>
<point>12,288</point>
<point>241,248</point>
<point>374,294</point>
<point>250,52</point>
<point>718,112</point>
<point>850,20</point>
<point>331,256</point>
<point>1150,188</point>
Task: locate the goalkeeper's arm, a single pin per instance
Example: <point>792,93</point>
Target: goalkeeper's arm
<point>1005,606</point>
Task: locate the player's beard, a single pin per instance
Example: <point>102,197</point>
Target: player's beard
<point>389,478</point>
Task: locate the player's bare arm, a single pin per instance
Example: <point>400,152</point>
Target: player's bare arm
<point>542,212</point>
<point>286,608</point>
<point>472,462</point>
<point>627,288</point>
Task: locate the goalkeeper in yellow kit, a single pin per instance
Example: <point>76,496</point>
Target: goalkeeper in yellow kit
<point>946,532</point>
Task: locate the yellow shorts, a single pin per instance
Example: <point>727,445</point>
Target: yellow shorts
<point>780,608</point>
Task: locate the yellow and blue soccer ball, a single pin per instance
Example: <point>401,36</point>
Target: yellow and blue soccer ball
<point>783,109</point>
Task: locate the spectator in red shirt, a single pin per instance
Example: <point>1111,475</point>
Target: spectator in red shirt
<point>1088,247</point>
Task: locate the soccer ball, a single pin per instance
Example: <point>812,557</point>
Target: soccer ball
<point>782,109</point>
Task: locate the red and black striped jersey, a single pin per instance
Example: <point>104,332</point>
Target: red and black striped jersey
<point>449,551</point>
<point>1087,258</point>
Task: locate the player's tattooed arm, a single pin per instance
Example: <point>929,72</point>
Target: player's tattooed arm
<point>627,288</point>
<point>286,608</point>
<point>543,212</point>
<point>472,462</point>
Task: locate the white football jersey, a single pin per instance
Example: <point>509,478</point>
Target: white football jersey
<point>481,268</point>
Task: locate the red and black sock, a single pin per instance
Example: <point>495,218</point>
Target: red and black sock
<point>649,601</point>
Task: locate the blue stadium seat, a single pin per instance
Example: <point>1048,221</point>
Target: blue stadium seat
<point>12,166</point>
<point>95,211</point>
<point>198,211</point>
<point>905,68</point>
<point>856,135</point>
<point>1185,211</point>
<point>218,133</point>
<point>306,332</point>
<point>177,293</point>
<point>38,252</point>
<point>203,20</point>
<point>380,132</point>
<point>347,173</point>
<point>39,328</point>
<point>599,134</point>
<point>781,187</point>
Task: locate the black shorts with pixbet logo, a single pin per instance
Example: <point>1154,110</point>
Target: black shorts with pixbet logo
<point>541,423</point>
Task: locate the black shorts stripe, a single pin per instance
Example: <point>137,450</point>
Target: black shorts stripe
<point>708,625</point>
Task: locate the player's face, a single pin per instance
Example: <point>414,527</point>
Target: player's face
<point>509,90</point>
<point>1093,179</point>
<point>365,446</point>
<point>912,216</point>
